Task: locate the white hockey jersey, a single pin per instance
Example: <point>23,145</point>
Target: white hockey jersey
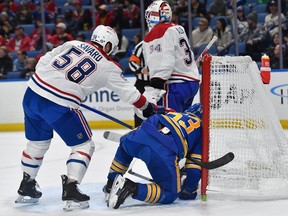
<point>168,54</point>
<point>74,70</point>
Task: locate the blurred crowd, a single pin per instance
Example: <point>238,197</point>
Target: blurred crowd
<point>20,48</point>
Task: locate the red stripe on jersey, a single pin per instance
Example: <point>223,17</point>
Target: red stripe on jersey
<point>56,89</point>
<point>158,31</point>
<point>84,123</point>
<point>85,154</point>
<point>28,156</point>
<point>140,102</point>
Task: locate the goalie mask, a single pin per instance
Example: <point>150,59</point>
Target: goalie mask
<point>158,12</point>
<point>105,34</point>
<point>196,110</point>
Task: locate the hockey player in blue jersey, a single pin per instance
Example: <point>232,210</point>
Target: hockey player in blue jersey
<point>161,142</point>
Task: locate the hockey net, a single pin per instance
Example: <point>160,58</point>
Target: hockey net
<point>239,117</point>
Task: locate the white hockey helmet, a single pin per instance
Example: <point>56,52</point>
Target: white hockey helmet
<point>105,34</point>
<point>157,12</point>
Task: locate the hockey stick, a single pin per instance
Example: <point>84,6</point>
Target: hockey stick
<point>131,172</point>
<point>107,116</point>
<point>227,158</point>
<point>112,136</point>
<point>206,49</point>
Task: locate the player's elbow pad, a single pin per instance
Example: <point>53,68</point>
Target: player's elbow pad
<point>157,83</point>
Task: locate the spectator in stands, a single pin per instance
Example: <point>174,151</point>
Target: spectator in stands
<point>2,40</point>
<point>51,8</point>
<point>85,22</point>
<point>36,36</point>
<point>224,36</point>
<point>20,41</point>
<point>79,11</point>
<point>255,37</point>
<point>29,68</point>
<point>118,19</point>
<point>70,22</point>
<point>6,62</point>
<point>271,20</point>
<point>13,7</point>
<point>274,43</point>
<point>103,16</point>
<point>274,52</point>
<point>241,19</point>
<point>60,33</point>
<point>11,15</point>
<point>275,57</point>
<point>37,13</point>
<point>20,62</point>
<point>180,11</point>
<point>132,13</point>
<point>216,8</point>
<point>6,25</point>
<point>122,45</point>
<point>202,34</point>
<point>24,14</point>
<point>198,9</point>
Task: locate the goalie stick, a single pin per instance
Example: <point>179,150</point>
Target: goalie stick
<point>227,158</point>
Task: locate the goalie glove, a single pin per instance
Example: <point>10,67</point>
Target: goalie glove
<point>153,95</point>
<point>151,109</point>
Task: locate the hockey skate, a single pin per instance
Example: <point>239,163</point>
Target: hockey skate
<point>107,188</point>
<point>73,198</point>
<point>29,190</point>
<point>122,188</point>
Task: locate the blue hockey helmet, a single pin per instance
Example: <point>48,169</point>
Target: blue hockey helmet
<point>195,109</point>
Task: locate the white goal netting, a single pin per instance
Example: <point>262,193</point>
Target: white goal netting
<point>243,121</point>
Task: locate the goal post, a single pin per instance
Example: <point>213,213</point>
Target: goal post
<point>238,116</point>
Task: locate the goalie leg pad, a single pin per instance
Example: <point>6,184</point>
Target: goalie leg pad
<point>32,157</point>
<point>79,160</point>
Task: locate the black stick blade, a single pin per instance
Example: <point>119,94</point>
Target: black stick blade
<point>216,163</point>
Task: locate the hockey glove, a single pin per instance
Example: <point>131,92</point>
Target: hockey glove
<point>153,95</point>
<point>155,109</point>
<point>151,109</point>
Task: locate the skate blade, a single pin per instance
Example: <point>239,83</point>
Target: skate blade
<point>26,199</point>
<point>71,205</point>
<point>116,187</point>
<point>106,197</point>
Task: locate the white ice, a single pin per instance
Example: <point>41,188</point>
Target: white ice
<point>13,143</point>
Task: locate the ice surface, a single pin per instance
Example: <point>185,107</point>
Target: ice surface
<point>13,143</point>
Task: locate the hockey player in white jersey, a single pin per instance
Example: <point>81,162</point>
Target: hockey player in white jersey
<point>63,78</point>
<point>169,58</point>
